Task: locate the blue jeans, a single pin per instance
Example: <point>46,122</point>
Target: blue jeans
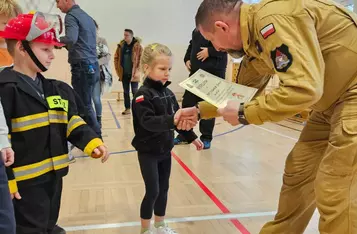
<point>7,216</point>
<point>84,79</point>
<point>97,98</point>
<point>126,87</point>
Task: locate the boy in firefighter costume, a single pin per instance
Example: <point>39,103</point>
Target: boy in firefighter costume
<point>42,116</point>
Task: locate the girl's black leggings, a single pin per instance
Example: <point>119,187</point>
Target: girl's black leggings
<point>156,174</point>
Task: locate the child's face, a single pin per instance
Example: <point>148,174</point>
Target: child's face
<point>161,68</point>
<point>43,52</point>
<point>3,21</point>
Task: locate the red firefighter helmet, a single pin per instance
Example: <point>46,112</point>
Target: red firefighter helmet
<point>37,27</point>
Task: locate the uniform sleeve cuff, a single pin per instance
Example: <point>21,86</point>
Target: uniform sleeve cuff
<point>96,142</point>
<point>251,114</point>
<point>13,186</point>
<point>207,110</point>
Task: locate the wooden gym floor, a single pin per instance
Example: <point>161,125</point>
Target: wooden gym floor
<point>231,188</point>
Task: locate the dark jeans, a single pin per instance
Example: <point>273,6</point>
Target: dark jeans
<point>7,217</point>
<point>206,126</point>
<point>37,211</point>
<point>84,81</point>
<point>126,88</point>
<point>156,172</point>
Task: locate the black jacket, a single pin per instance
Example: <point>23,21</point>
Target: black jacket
<point>39,128</point>
<point>153,109</point>
<point>216,63</point>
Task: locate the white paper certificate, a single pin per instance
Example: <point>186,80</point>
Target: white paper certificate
<point>216,90</point>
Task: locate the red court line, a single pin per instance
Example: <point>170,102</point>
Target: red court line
<point>210,194</point>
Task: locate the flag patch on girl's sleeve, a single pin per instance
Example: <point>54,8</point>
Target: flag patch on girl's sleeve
<point>267,31</point>
<point>139,99</point>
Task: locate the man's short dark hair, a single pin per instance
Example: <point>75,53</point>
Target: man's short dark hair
<point>129,31</point>
<point>209,8</point>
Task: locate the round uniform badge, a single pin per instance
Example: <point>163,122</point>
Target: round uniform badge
<point>282,58</point>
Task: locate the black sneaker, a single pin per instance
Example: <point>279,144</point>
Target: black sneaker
<point>58,230</point>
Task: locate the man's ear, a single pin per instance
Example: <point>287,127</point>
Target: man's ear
<point>220,25</point>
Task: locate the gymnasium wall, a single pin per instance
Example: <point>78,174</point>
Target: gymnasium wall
<point>167,21</point>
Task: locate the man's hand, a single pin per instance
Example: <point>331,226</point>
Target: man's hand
<point>186,118</point>
<point>203,54</point>
<point>8,156</point>
<point>101,152</point>
<point>188,65</point>
<point>230,112</point>
<point>15,195</point>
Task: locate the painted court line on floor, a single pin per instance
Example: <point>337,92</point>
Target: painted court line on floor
<point>210,194</point>
<point>131,151</point>
<point>171,220</point>
<point>274,132</point>
<point>204,188</point>
<point>115,118</point>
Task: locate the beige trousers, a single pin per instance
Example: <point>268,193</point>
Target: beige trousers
<point>320,171</point>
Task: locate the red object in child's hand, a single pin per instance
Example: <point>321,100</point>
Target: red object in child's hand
<point>96,153</point>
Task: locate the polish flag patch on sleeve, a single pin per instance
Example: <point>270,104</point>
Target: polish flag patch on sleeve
<point>267,31</point>
<point>139,99</point>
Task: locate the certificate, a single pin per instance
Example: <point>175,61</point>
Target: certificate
<point>216,90</point>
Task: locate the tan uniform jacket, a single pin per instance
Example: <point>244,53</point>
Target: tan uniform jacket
<point>310,44</point>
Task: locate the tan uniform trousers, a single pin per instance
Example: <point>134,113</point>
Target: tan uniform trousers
<point>320,172</point>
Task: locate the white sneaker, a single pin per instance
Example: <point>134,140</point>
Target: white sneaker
<point>149,232</point>
<point>165,230</point>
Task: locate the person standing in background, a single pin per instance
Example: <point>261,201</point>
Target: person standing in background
<point>126,63</point>
<point>80,41</point>
<point>201,54</point>
<point>104,56</point>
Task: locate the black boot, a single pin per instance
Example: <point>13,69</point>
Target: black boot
<point>99,119</point>
<point>58,230</point>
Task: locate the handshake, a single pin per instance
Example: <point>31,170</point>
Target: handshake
<point>186,118</point>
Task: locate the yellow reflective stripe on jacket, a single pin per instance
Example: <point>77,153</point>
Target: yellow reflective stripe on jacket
<point>58,116</point>
<point>29,122</point>
<point>37,169</point>
<point>74,123</point>
<point>38,120</point>
<point>12,186</point>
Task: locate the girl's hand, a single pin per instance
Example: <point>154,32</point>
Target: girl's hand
<point>198,143</point>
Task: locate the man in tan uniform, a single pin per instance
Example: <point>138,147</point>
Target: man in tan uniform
<point>312,46</point>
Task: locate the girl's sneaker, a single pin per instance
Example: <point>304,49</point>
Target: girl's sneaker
<point>148,232</point>
<point>165,230</point>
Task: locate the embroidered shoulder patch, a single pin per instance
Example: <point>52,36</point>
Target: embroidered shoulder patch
<point>267,31</point>
<point>282,58</point>
<point>139,99</point>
